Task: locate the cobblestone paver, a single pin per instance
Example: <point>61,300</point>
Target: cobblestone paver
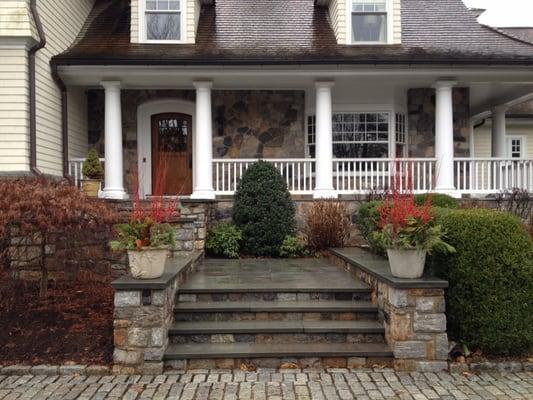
<point>266,384</point>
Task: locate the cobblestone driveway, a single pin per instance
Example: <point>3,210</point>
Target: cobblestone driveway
<point>271,384</point>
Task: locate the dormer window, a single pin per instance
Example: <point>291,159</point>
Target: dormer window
<point>369,21</point>
<point>163,20</point>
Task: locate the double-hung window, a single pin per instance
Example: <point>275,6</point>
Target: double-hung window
<point>163,20</point>
<point>369,21</point>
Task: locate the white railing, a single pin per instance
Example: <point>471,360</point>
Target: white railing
<point>353,176</point>
<point>297,172</point>
<point>75,166</point>
<point>492,175</point>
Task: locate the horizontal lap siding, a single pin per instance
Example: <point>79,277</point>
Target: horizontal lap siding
<point>14,110</point>
<point>483,140</point>
<point>15,19</point>
<point>134,31</point>
<point>61,24</point>
<point>397,21</point>
<point>77,123</point>
<point>337,14</point>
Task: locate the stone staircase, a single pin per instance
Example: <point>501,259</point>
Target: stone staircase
<point>268,313</point>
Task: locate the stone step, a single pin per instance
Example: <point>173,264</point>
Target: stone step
<point>359,295</point>
<point>275,306</point>
<point>276,310</point>
<point>277,332</point>
<point>244,327</point>
<point>273,355</point>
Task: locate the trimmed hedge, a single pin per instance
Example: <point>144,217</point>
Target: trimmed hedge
<point>438,200</point>
<point>490,299</point>
<point>263,210</point>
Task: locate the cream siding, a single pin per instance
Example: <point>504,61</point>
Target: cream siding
<point>61,25</point>
<point>77,122</point>
<point>16,20</point>
<point>482,137</point>
<point>339,14</point>
<point>14,110</point>
<point>190,20</point>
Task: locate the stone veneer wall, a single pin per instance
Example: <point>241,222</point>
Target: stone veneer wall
<point>246,124</point>
<point>421,122</point>
<point>414,320</point>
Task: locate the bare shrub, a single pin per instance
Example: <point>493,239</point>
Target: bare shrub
<point>327,224</point>
<point>518,202</point>
<point>48,223</point>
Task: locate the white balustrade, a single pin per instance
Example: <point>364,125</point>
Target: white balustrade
<point>363,175</point>
<point>75,166</point>
<point>298,173</point>
<point>492,175</point>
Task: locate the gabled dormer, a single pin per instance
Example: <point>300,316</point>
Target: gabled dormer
<point>165,21</point>
<point>365,22</point>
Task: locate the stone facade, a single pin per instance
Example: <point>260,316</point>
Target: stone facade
<point>421,124</point>
<point>246,124</point>
<point>414,320</point>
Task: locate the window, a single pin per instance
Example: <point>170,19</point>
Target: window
<point>163,20</point>
<point>369,21</point>
<point>515,147</point>
<point>401,135</point>
<point>355,135</point>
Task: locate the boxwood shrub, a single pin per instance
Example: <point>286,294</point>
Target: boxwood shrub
<point>263,210</point>
<point>490,299</point>
<point>438,200</point>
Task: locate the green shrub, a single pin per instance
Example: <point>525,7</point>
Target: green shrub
<point>438,200</point>
<point>263,210</point>
<point>92,167</point>
<point>224,240</point>
<point>367,221</point>
<point>293,247</point>
<point>489,302</point>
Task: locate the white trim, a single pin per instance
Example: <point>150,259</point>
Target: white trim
<point>390,26</point>
<point>142,25</point>
<point>144,135</point>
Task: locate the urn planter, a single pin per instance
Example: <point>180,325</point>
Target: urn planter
<point>147,263</point>
<point>407,263</point>
<point>90,187</point>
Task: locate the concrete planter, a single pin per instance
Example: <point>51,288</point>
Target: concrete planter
<point>90,187</point>
<point>148,263</point>
<point>407,263</point>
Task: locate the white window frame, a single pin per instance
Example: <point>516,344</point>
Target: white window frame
<point>391,142</point>
<point>142,24</point>
<point>523,145</point>
<point>390,25</point>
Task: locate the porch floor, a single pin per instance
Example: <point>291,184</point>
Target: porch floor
<point>271,275</point>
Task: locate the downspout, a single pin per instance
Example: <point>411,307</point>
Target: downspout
<point>31,72</point>
<point>64,118</point>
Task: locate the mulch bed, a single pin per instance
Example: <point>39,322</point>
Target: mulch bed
<point>74,324</point>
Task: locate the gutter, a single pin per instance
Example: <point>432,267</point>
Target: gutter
<point>31,73</point>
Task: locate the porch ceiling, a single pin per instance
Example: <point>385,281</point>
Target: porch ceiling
<point>489,86</point>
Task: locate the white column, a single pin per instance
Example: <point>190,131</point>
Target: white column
<point>498,132</point>
<point>114,178</point>
<point>203,144</point>
<point>324,145</point>
<point>444,149</point>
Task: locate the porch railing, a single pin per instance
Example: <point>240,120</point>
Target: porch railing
<point>364,175</point>
<point>492,175</point>
<point>297,172</point>
<point>75,166</point>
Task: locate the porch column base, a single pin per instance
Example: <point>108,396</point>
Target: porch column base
<point>325,194</point>
<point>114,194</point>
<point>203,195</point>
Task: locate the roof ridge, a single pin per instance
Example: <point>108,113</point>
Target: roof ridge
<point>507,34</point>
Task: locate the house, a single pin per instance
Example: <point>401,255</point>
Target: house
<point>340,94</point>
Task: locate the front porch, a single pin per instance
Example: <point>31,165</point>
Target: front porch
<point>349,134</point>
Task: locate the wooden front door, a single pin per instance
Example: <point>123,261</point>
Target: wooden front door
<point>171,154</point>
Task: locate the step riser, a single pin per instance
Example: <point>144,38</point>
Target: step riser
<point>271,296</point>
<point>276,316</point>
<point>280,338</point>
<point>300,362</point>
